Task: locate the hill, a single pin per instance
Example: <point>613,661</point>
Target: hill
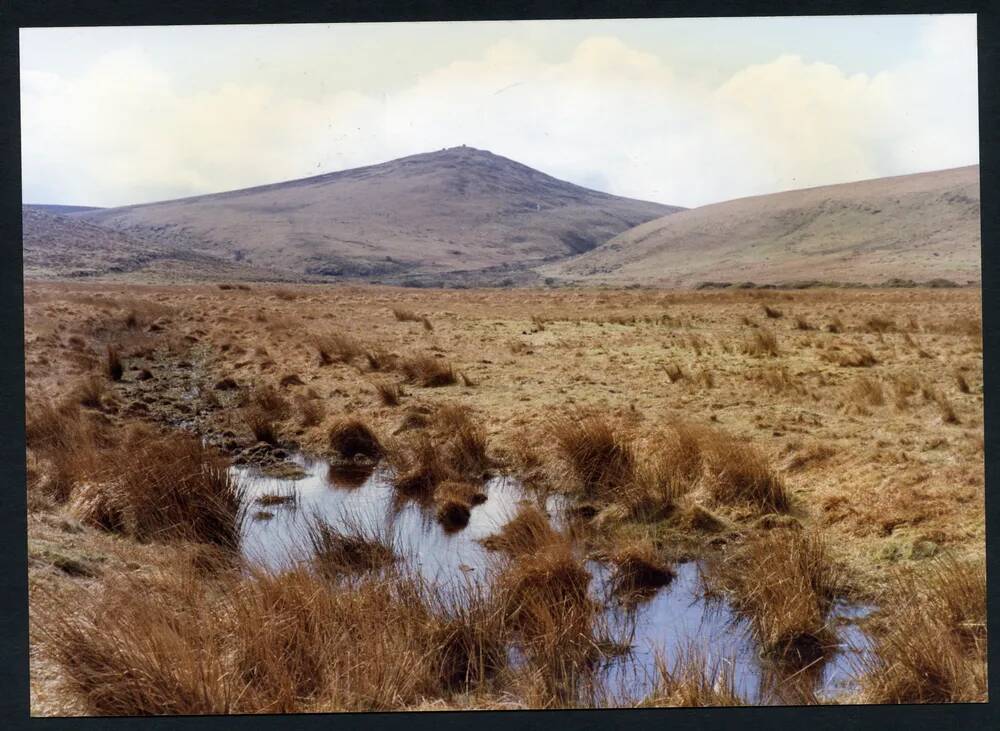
<point>918,227</point>
<point>460,209</point>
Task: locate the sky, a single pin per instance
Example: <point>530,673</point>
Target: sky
<point>680,111</point>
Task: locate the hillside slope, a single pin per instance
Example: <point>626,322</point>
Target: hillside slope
<point>457,209</point>
<point>61,246</point>
<point>918,227</point>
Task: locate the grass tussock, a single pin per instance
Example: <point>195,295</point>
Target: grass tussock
<point>355,546</point>
<point>69,442</point>
<point>268,400</point>
<point>420,466</point>
<point>931,646</point>
<point>545,600</point>
<point>128,654</point>
<point>527,532</point>
<point>389,393</point>
<point>311,411</point>
<point>336,348</point>
<point>91,392</point>
<point>159,488</point>
<point>856,356</point>
<point>405,315</point>
<point>761,343</point>
<point>784,582</point>
<point>261,425</point>
<point>113,367</point>
<point>287,642</point>
<point>674,372</point>
<point>865,391</point>
<point>452,513</point>
<point>801,323</point>
<point>638,568</point>
<point>879,325</point>
<point>739,474</point>
<point>598,453</point>
<point>379,359</point>
<point>428,371</point>
<point>350,437</point>
<point>691,681</point>
<point>467,442</point>
<point>779,380</point>
<point>672,467</point>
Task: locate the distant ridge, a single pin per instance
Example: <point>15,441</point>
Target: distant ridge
<point>910,227</point>
<point>60,209</point>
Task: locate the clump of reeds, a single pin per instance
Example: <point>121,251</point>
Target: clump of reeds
<point>69,442</point>
<point>353,546</point>
<point>877,324</point>
<point>165,488</point>
<point>91,392</point>
<point>269,643</point>
<point>336,348</point>
<point>269,402</point>
<point>467,442</point>
<point>638,568</point>
<point>931,645</point>
<point>428,371</point>
<point>690,681</point>
<point>470,640</point>
<point>671,468</point>
<point>300,641</point>
<point>779,380</point>
<point>389,392</point>
<point>866,391</point>
<point>261,425</point>
<point>113,365</point>
<point>527,532</point>
<point>856,356</point>
<point>904,385</point>
<point>801,323</point>
<point>804,456</point>
<point>945,407</point>
<point>544,600</point>
<point>674,372</point>
<point>598,454</point>
<point>420,467</point>
<point>405,315</point>
<point>350,437</point>
<point>379,359</point>
<point>785,582</point>
<point>737,473</point>
<point>140,650</point>
<point>452,513</point>
<point>311,411</point>
<point>761,342</point>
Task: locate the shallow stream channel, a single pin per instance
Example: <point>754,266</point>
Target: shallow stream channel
<point>672,620</point>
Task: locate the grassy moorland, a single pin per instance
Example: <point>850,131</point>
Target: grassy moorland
<point>808,447</point>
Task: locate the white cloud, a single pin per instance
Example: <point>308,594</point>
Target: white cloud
<point>607,115</point>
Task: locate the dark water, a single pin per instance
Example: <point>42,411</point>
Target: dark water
<point>673,619</point>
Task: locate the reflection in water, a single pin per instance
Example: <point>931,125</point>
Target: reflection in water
<point>666,622</point>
